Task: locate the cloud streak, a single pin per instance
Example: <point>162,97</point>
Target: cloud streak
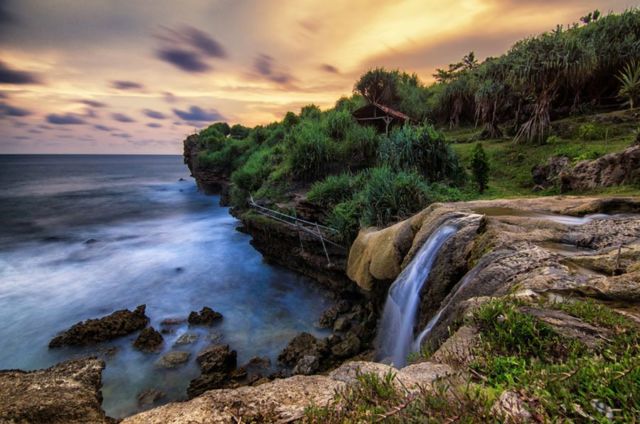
<point>121,117</point>
<point>188,48</point>
<point>9,75</point>
<point>197,114</point>
<point>65,119</point>
<point>126,85</point>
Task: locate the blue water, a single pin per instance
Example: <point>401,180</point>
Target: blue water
<point>157,241</point>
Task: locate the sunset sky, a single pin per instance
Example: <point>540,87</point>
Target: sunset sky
<point>136,76</point>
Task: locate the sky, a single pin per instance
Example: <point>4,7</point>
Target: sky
<point>137,76</point>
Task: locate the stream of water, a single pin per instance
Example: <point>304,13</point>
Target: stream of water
<point>82,236</point>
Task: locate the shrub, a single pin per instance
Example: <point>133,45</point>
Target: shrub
<point>310,151</point>
<point>345,217</point>
<point>360,146</point>
<point>332,190</point>
<point>590,131</point>
<point>239,132</point>
<point>337,123</point>
<point>253,173</point>
<point>290,120</point>
<point>480,167</point>
<point>389,196</point>
<point>311,112</point>
<point>421,149</point>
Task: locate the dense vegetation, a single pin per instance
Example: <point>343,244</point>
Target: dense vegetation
<point>556,378</point>
<point>359,177</point>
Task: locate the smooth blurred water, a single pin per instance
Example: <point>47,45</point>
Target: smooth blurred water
<point>154,240</point>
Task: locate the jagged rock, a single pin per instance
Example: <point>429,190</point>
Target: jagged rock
<point>569,326</point>
<point>307,365</point>
<point>149,340</point>
<point>67,393</point>
<point>609,170</point>
<point>548,174</point>
<point>458,350</point>
<point>342,323</point>
<point>149,397</point>
<point>186,338</point>
<point>281,400</point>
<point>258,362</point>
<point>301,345</point>
<point>510,408</point>
<point>205,382</point>
<point>217,358</point>
<point>173,359</point>
<point>347,347</point>
<point>117,324</point>
<point>206,316</point>
<point>328,317</point>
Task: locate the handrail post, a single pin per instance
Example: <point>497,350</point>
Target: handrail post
<point>323,246</point>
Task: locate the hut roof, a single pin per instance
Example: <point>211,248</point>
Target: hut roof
<point>369,111</point>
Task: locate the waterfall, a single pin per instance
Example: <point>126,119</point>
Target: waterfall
<point>395,334</point>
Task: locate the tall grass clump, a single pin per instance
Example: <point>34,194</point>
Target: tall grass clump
<point>310,151</point>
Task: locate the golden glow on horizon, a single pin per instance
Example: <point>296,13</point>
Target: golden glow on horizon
<point>300,37</point>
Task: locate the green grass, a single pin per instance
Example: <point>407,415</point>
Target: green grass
<point>511,163</point>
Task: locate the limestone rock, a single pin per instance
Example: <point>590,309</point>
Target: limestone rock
<point>186,338</point>
<point>347,347</point>
<point>610,170</point>
<point>217,358</point>
<point>206,316</point>
<point>173,359</point>
<point>67,393</point>
<point>117,324</point>
<point>149,340</point>
<point>149,397</point>
<point>307,365</point>
<point>301,345</point>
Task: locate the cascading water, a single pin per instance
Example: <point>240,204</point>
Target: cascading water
<point>395,334</point>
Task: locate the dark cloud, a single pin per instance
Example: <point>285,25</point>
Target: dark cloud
<point>92,103</point>
<point>8,110</point>
<point>264,65</point>
<point>184,59</point>
<point>187,48</point>
<point>121,117</point>
<point>121,135</point>
<point>203,42</point>
<point>12,76</point>
<point>154,114</point>
<point>34,131</point>
<point>154,125</point>
<point>66,119</point>
<point>100,127</point>
<point>126,85</point>
<point>90,113</point>
<point>329,68</point>
<point>197,114</point>
<point>6,17</point>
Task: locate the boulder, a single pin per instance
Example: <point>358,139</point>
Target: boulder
<point>609,170</point>
<point>217,359</point>
<point>349,346</point>
<point>206,316</point>
<point>548,174</point>
<point>186,338</point>
<point>304,344</point>
<point>205,382</point>
<point>117,324</point>
<point>328,317</point>
<point>150,397</point>
<point>173,359</point>
<point>307,365</point>
<point>67,393</point>
<point>149,340</point>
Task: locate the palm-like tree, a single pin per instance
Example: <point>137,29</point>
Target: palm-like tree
<point>629,79</point>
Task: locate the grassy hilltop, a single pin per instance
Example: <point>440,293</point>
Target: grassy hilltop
<point>570,92</point>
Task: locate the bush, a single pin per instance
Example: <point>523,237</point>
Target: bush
<point>338,123</point>
<point>421,149</point>
<point>345,217</point>
<point>389,196</point>
<point>480,167</point>
<point>590,131</point>
<point>254,172</point>
<point>290,120</point>
<point>332,190</point>
<point>311,112</point>
<point>310,151</point>
<point>360,146</point>
<point>239,132</point>
<point>231,155</point>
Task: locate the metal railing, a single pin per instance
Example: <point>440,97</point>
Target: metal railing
<point>300,225</point>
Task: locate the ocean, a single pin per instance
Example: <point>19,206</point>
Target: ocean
<point>84,235</point>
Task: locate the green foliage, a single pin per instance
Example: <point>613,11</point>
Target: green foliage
<point>480,167</point>
<point>421,149</point>
<point>360,145</point>
<point>379,86</point>
<point>337,123</point>
<point>345,217</point>
<point>333,190</point>
<point>349,104</point>
<point>390,196</point>
<point>250,176</point>
<point>310,112</point>
<point>226,155</point>
<point>629,79</point>
<point>290,120</point>
<point>239,131</point>
<point>310,151</point>
<point>590,131</point>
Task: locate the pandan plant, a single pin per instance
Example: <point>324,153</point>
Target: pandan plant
<point>629,79</point>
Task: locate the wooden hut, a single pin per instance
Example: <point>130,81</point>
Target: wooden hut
<point>380,116</point>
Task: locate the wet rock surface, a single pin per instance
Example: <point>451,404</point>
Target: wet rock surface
<point>149,340</point>
<point>67,393</point>
<point>173,359</point>
<point>206,316</point>
<point>218,366</point>
<point>118,324</point>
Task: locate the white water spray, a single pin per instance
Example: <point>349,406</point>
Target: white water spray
<point>395,334</point>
